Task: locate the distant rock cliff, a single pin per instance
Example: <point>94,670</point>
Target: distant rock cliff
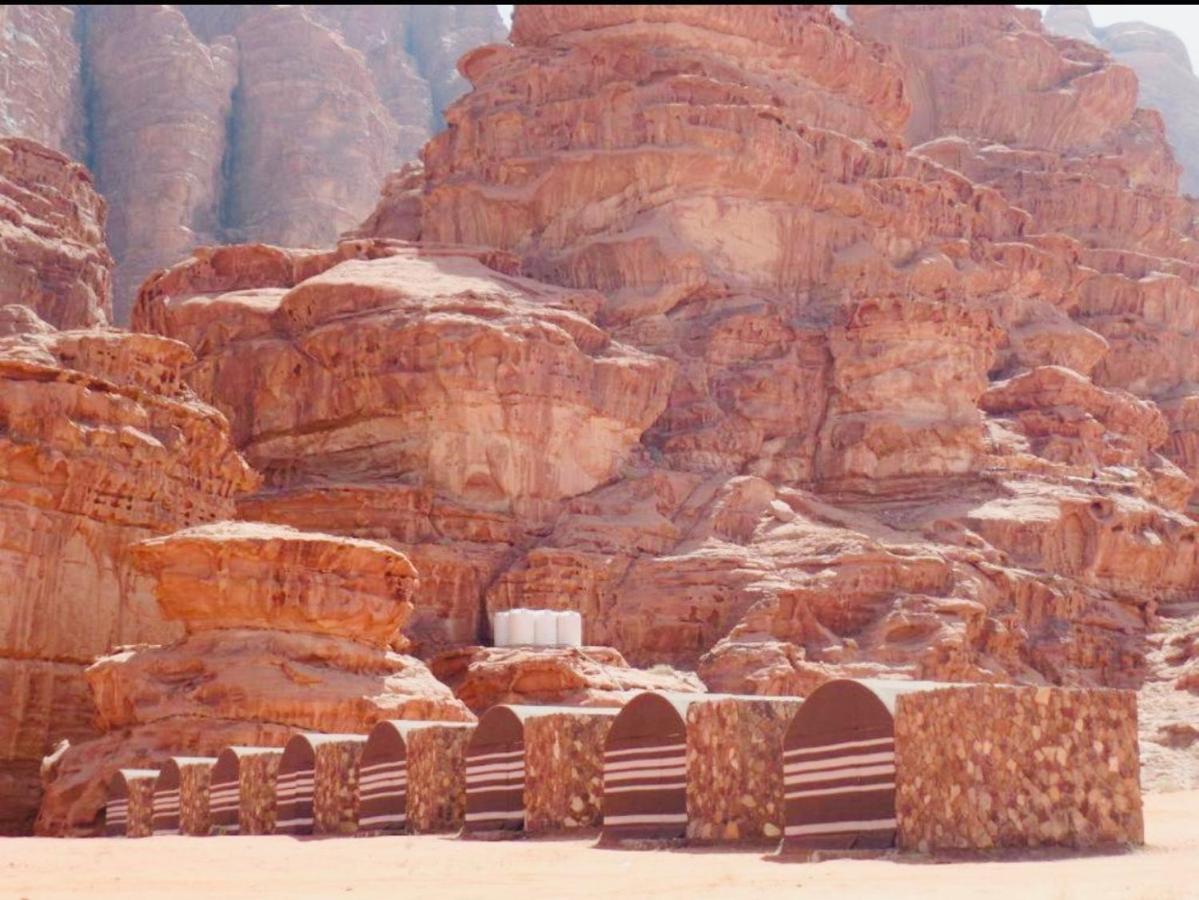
<point>1163,67</point>
<point>211,124</point>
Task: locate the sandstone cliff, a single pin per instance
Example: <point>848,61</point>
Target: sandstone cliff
<point>1165,75</point>
<point>211,124</point>
<point>53,259</point>
<point>782,347</point>
<point>285,631</point>
<point>101,444</point>
<point>924,283</point>
<point>412,395</point>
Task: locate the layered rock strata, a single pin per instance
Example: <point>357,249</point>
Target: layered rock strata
<point>224,123</point>
<point>1166,80</point>
<point>159,101</point>
<point>286,632</point>
<point>101,445</point>
<point>53,258</point>
<point>418,396</point>
<point>43,98</point>
<point>917,319</point>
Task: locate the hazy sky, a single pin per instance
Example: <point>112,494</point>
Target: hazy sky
<point>1182,20</point>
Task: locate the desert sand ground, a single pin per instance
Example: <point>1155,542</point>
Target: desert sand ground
<point>264,868</point>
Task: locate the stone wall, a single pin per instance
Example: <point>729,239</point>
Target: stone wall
<point>986,767</point>
<point>437,777</point>
<point>564,770</point>
<point>734,771</point>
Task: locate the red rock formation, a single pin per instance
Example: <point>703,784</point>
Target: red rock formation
<point>286,631</point>
<point>931,410</point>
<point>52,254</point>
<point>159,101</point>
<point>42,98</point>
<point>930,355</point>
<point>1165,78</point>
<point>297,77</point>
<point>481,677</point>
<point>226,123</point>
<point>100,445</point>
<point>410,395</point>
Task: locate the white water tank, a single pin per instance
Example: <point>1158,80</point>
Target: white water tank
<point>570,629</point>
<point>521,630</point>
<point>499,628</point>
<point>545,627</point>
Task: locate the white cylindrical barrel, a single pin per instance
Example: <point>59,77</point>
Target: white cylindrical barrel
<point>499,628</point>
<point>545,628</point>
<point>520,627</point>
<point>570,629</point>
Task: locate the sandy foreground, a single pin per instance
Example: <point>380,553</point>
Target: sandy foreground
<point>178,868</point>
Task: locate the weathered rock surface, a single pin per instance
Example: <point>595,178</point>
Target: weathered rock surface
<point>1165,76</point>
<point>338,586</point>
<point>40,70</point>
<point>228,123</point>
<point>53,259</point>
<point>929,406</point>
<point>159,102</point>
<point>101,445</point>
<point>287,631</point>
<point>569,676</point>
<point>298,77</point>
<point>411,395</point>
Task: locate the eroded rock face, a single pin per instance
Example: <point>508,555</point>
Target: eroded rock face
<point>160,100</point>
<point>589,676</point>
<point>101,445</point>
<point>1165,77</point>
<point>340,585</point>
<point>53,259</point>
<point>927,309</point>
<point>230,123</point>
<point>915,428</point>
<point>298,77</point>
<point>39,68</point>
<point>286,631</point>
<point>411,395</point>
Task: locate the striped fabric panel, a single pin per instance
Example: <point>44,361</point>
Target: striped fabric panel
<point>821,750</point>
<point>224,796</point>
<point>841,793</point>
<point>502,756</point>
<point>116,817</point>
<point>164,816</point>
<point>295,789</point>
<point>397,775</point>
<point>655,749</point>
<point>383,795</point>
<point>295,785</point>
<point>495,789</point>
<point>224,806</point>
<point>845,827</point>
<point>645,790</point>
<point>398,818</point>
